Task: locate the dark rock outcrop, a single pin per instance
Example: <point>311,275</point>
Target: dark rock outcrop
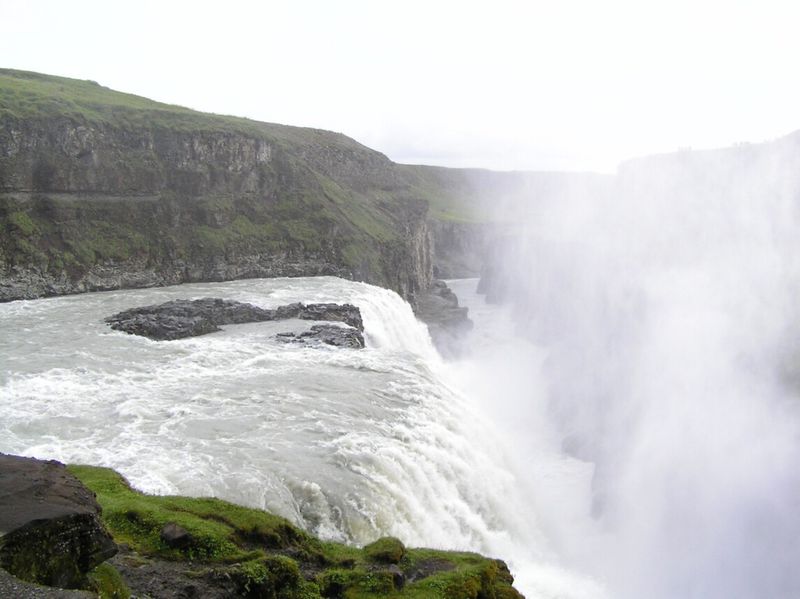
<point>458,248</point>
<point>329,334</point>
<point>346,313</point>
<point>185,318</point>
<point>178,319</point>
<point>175,536</point>
<point>447,322</point>
<point>50,528</point>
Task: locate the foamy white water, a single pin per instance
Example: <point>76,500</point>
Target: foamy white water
<point>350,444</point>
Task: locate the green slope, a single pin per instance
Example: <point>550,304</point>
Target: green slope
<point>263,555</point>
<point>196,187</point>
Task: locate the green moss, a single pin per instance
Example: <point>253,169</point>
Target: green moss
<point>220,531</point>
<point>103,241</point>
<point>238,235</point>
<point>388,550</point>
<point>272,577</point>
<point>22,224</point>
<point>267,557</point>
<point>29,95</point>
<point>334,581</point>
<point>319,194</point>
<point>106,581</point>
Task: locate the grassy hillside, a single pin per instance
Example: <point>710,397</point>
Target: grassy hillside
<point>100,190</point>
<point>251,553</point>
<point>92,179</point>
<point>28,95</point>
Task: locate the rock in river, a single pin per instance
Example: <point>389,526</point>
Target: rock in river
<point>189,318</point>
<point>329,334</point>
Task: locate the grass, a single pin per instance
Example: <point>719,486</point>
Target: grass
<point>453,196</point>
<point>267,556</point>
<point>29,95</point>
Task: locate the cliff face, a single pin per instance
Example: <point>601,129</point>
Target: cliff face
<point>101,191</point>
<point>459,248</point>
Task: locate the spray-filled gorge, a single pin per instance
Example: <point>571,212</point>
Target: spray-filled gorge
<point>666,308</point>
<point>624,425</point>
<point>621,422</point>
<point>349,444</point>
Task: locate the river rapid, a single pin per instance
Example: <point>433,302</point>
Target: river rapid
<point>349,444</point>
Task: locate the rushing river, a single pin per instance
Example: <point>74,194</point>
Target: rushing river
<point>350,444</point>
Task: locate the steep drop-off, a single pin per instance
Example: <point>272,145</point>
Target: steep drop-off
<point>103,190</point>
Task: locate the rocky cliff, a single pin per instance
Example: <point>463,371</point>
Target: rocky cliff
<point>102,190</point>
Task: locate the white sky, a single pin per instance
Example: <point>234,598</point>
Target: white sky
<point>554,84</point>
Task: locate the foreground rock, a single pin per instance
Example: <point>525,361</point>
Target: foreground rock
<point>50,528</point>
<point>447,322</point>
<point>182,547</point>
<point>190,318</point>
<point>230,551</point>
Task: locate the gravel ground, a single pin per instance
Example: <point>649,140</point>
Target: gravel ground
<point>14,588</point>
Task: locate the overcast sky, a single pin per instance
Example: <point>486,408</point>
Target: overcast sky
<point>552,84</point>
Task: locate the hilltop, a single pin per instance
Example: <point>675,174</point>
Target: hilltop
<point>104,190</point>
<point>101,189</point>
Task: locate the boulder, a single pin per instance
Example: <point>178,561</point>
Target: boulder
<point>185,318</point>
<point>178,319</point>
<point>175,536</point>
<point>50,528</point>
<point>386,550</point>
<point>330,334</point>
<point>346,313</point>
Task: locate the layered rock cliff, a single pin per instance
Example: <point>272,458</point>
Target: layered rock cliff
<point>102,190</point>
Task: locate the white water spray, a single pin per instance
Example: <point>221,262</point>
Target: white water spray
<point>666,316</point>
<point>350,444</point>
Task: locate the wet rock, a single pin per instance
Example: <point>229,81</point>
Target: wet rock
<point>148,576</point>
<point>346,313</point>
<point>447,322</point>
<point>428,567</point>
<point>185,318</point>
<point>178,319</point>
<point>329,334</point>
<point>50,530</point>
<point>175,536</point>
<point>398,578</point>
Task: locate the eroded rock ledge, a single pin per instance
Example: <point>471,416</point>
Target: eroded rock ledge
<point>447,321</point>
<point>178,319</point>
<point>179,547</point>
<point>50,527</point>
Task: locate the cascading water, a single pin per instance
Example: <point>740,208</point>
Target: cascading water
<point>639,438</point>
<point>351,444</point>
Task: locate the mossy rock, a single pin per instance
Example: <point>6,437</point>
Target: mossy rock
<point>107,582</point>
<point>386,550</point>
<point>274,577</point>
<point>261,555</point>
